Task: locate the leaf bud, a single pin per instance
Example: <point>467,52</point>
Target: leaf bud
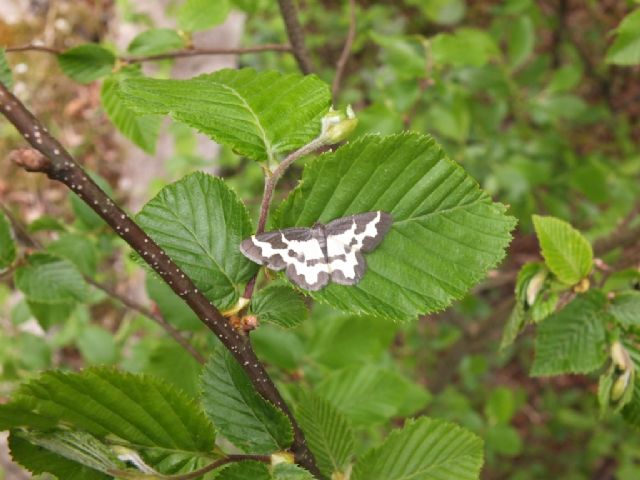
<point>281,457</point>
<point>338,125</point>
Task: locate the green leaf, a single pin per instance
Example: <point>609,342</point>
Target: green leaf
<point>49,314</point>
<point>38,460</point>
<point>513,327</point>
<point>5,71</point>
<point>287,471</point>
<point>78,249</point>
<point>199,222</point>
<point>143,130</point>
<point>631,412</point>
<point>164,427</point>
<point>7,245</point>
<point>172,363</point>
<point>97,345</point>
<point>444,12</point>
<point>171,306</point>
<point>79,447</point>
<point>504,440</point>
<point>424,449</point>
<point>238,411</point>
<point>573,339</point>
<point>259,115</point>
<point>501,405</point>
<point>566,252</point>
<point>196,15</point>
<point>446,232</point>
<point>278,347</point>
<point>625,50</point>
<point>280,305</point>
<point>368,394</point>
<point>466,46</point>
<point>625,308</point>
<point>49,279</point>
<point>521,40</point>
<point>332,340</point>
<point>327,432</point>
<point>155,41</point>
<point>245,470</point>
<point>89,219</point>
<point>405,54</point>
<point>87,62</point>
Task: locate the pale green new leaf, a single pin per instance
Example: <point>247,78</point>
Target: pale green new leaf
<point>169,431</point>
<point>5,71</point>
<point>327,432</point>
<point>41,461</point>
<point>199,222</point>
<point>238,411</point>
<point>368,394</point>
<point>446,232</point>
<point>143,130</point>
<point>573,339</point>
<point>259,115</point>
<point>625,308</point>
<point>625,50</point>
<point>280,305</point>
<point>156,40</point>
<point>79,447</point>
<point>86,63</point>
<point>7,245</point>
<point>196,15</point>
<point>566,252</point>
<point>424,449</point>
<point>50,279</point>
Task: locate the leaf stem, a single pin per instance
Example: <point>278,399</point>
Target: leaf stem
<point>346,51</point>
<point>295,33</point>
<point>58,164</point>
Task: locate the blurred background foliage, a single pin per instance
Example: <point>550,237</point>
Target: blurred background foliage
<point>519,92</point>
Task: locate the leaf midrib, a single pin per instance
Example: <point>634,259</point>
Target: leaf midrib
<point>263,133</point>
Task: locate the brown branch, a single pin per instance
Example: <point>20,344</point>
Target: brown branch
<point>295,33</point>
<point>346,51</point>
<point>187,52</point>
<point>59,165</point>
<point>127,302</point>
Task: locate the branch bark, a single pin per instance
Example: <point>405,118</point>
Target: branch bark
<point>59,165</point>
<point>295,33</point>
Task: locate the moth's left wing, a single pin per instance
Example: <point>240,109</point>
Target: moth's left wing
<point>347,238</point>
<point>297,250</point>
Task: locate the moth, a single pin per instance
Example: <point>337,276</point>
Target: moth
<point>312,257</point>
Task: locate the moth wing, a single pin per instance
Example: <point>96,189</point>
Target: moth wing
<point>349,236</point>
<point>272,248</point>
<point>295,249</point>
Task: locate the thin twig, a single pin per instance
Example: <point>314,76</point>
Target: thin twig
<point>192,52</point>
<point>187,52</point>
<point>346,51</point>
<point>127,302</point>
<point>271,180</point>
<point>295,33</point>
<point>58,164</point>
<point>34,48</point>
